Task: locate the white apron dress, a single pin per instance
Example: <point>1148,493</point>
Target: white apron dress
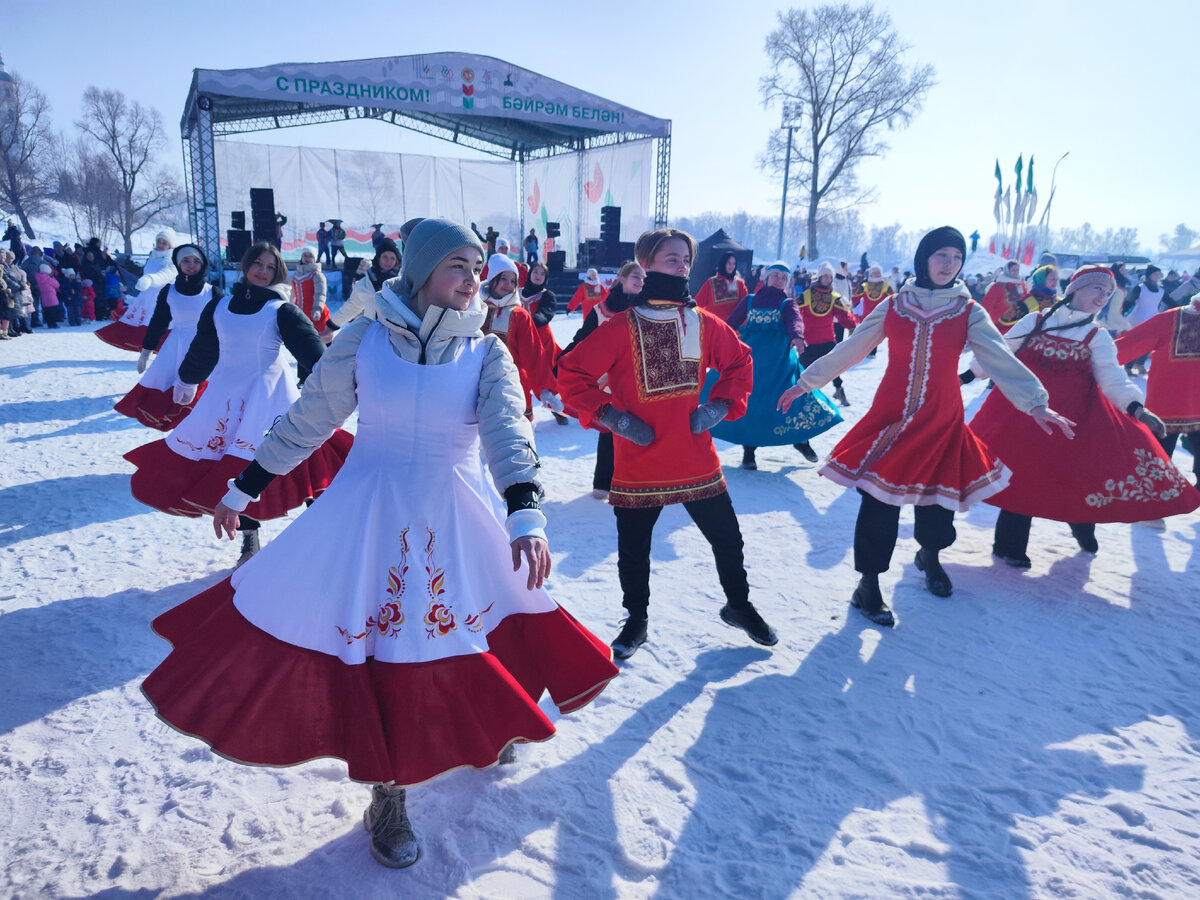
<point>151,401</point>
<point>251,386</point>
<point>418,649</point>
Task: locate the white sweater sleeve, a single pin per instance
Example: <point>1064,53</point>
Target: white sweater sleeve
<point>992,352</point>
<point>355,303</point>
<point>1110,374</point>
<point>850,352</point>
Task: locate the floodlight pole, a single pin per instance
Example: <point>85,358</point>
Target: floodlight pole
<point>1051,200</point>
<point>789,117</point>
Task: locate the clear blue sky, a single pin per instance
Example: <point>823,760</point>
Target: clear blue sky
<point>1113,83</point>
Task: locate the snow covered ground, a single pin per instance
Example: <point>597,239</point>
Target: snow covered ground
<point>1036,734</point>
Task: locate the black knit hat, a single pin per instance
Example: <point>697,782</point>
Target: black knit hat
<point>384,246</point>
<point>946,236</point>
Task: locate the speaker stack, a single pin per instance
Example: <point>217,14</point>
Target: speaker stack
<point>610,250</point>
<point>262,214</point>
<point>556,260</point>
<point>237,238</point>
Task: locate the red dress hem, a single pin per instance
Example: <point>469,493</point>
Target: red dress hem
<point>124,336</point>
<point>155,409</point>
<point>258,700</point>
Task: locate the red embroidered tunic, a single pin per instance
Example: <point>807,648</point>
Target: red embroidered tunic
<point>721,296</point>
<point>655,366</point>
<point>820,308</point>
<point>515,327</point>
<point>869,299</point>
<point>912,445</point>
<point>1172,339</point>
<point>1113,471</point>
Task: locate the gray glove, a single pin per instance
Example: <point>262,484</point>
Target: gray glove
<point>183,394</point>
<point>706,415</point>
<point>143,361</point>
<point>627,425</point>
<point>1153,422</point>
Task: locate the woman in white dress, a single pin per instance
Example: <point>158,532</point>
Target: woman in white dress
<point>128,332</point>
<point>421,648</point>
<point>239,348</point>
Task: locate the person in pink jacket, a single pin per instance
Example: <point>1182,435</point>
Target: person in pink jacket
<point>48,290</point>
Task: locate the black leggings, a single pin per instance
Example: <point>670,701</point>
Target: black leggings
<point>879,523</point>
<point>813,352</point>
<point>1191,441</point>
<point>1012,533</point>
<point>603,475</point>
<point>717,522</point>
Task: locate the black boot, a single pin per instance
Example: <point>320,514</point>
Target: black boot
<point>508,755</point>
<point>747,618</point>
<point>807,451</point>
<point>748,460</point>
<point>1014,558</point>
<point>250,546</point>
<point>936,578</point>
<point>392,841</point>
<point>1085,535</point>
<point>839,394</point>
<point>632,636</point>
<point>869,601</point>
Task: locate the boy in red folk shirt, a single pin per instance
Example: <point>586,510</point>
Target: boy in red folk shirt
<point>654,357</point>
<point>820,308</point>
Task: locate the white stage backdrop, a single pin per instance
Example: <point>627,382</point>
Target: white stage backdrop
<point>363,187</point>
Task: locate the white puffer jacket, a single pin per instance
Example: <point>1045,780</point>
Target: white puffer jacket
<point>329,395</point>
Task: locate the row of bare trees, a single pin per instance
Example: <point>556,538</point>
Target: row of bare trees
<point>106,175</point>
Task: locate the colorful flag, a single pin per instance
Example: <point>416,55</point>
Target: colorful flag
<point>1020,165</point>
<point>999,180</point>
<point>1029,183</point>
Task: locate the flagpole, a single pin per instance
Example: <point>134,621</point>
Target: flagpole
<point>1051,200</point>
<point>790,114</point>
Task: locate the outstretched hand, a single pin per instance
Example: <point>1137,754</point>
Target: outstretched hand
<point>537,554</point>
<point>790,396</point>
<point>1045,417</point>
<point>225,521</point>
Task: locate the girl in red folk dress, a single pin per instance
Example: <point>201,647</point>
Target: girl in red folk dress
<point>722,293</point>
<point>873,291</point>
<point>1172,339</point>
<point>238,348</point>
<point>173,325</point>
<point>912,446</point>
<point>309,288</point>
<point>1122,475</point>
<point>423,648</point>
<point>588,294</point>
<point>511,322</point>
<point>639,375</point>
<point>1004,296</point>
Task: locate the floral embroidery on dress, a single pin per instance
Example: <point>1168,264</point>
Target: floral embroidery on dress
<point>439,620</point>
<point>1063,349</point>
<point>1187,336</point>
<point>390,617</point>
<point>1153,480</point>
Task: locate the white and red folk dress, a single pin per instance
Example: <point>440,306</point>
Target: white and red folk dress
<point>1113,471</point>
<point>185,474</point>
<point>129,331</point>
<point>418,650</point>
<point>151,400</point>
<point>912,446</point>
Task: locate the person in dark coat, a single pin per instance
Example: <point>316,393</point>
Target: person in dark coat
<point>13,236</point>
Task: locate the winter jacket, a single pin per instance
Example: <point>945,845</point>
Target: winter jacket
<point>18,283</point>
<point>361,302</point>
<point>1187,289</point>
<point>158,272</point>
<point>329,395</point>
<point>30,266</point>
<point>300,289</point>
<point>47,289</point>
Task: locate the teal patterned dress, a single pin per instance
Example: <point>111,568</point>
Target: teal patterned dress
<point>776,368</point>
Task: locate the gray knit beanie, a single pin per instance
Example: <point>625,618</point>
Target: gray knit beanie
<point>428,244</point>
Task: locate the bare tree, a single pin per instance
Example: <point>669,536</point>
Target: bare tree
<point>840,66</point>
<point>130,137</point>
<point>1182,238</point>
<point>25,145</point>
<point>85,185</point>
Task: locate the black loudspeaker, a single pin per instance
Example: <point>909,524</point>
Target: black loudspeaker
<point>349,270</point>
<point>610,224</point>
<point>553,230</point>
<point>556,261</point>
<point>262,214</point>
<point>237,243</point>
<point>238,220</point>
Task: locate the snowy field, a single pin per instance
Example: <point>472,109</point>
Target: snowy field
<point>1037,734</point>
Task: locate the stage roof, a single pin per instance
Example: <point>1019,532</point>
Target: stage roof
<point>478,101</point>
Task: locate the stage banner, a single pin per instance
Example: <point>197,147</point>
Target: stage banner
<point>440,83</point>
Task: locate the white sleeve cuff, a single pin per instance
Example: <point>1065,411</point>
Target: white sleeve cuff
<point>236,499</point>
<point>524,523</point>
